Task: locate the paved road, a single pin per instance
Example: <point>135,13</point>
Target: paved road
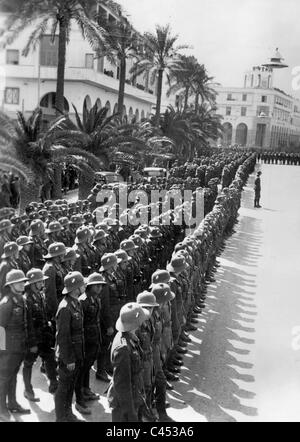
<point>244,362</point>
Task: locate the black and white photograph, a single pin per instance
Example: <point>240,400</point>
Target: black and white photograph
<point>149,213</point>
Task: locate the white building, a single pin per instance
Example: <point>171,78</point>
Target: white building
<point>30,81</point>
<point>258,114</point>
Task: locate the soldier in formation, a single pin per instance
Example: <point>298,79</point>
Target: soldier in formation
<point>125,297</point>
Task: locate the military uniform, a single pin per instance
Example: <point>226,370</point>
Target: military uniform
<point>126,395</point>
<point>16,337</point>
<point>70,349</point>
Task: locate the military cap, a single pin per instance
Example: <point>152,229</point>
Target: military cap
<point>14,276</point>
<point>99,235</point>
<point>146,299</point>
<point>73,281</point>
<point>53,227</point>
<point>48,203</point>
<point>141,232</point>
<point>23,241</point>
<point>128,244</point>
<point>76,219</point>
<point>131,317</point>
<point>82,235</point>
<point>88,216</point>
<point>160,276</point>
<point>10,249</point>
<point>108,261</point>
<point>59,202</point>
<point>70,254</point>
<point>72,205</point>
<point>56,249</point>
<point>24,218</point>
<point>43,212</point>
<point>121,254</point>
<point>95,279</point>
<point>155,232</point>
<point>64,221</point>
<point>36,227</point>
<point>177,264</point>
<point>5,224</point>
<point>34,276</point>
<point>33,216</point>
<point>137,240</point>
<point>16,220</point>
<point>102,226</point>
<point>162,293</point>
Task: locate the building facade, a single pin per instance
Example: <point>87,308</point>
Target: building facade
<point>30,82</point>
<point>258,114</point>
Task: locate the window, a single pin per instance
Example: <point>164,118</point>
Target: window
<point>264,99</point>
<point>244,97</point>
<point>243,111</point>
<point>229,97</point>
<point>100,64</point>
<point>12,95</point>
<point>228,110</point>
<point>12,56</point>
<point>49,51</point>
<point>89,61</point>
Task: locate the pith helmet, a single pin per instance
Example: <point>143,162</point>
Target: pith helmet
<point>10,249</point>
<point>131,317</point>
<point>160,276</point>
<point>73,281</point>
<point>146,299</point>
<point>56,249</point>
<point>35,275</point>
<point>15,276</point>
<point>162,293</point>
<point>95,279</point>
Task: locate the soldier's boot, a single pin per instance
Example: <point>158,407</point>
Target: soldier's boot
<point>28,392</point>
<point>4,412</point>
<point>12,404</point>
<point>161,404</point>
<point>51,371</point>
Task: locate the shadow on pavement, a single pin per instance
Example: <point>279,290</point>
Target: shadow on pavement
<point>217,381</point>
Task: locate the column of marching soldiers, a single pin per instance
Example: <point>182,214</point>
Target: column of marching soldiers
<point>125,298</point>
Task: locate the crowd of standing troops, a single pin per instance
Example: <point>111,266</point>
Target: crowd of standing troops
<point>285,158</point>
<point>77,292</point>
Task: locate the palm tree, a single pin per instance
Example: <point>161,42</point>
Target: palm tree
<point>202,87</point>
<point>122,43</point>
<point>109,139</point>
<point>58,14</point>
<point>36,154</point>
<point>160,56</point>
<point>182,76</point>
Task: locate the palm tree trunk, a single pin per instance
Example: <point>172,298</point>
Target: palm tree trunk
<point>29,193</point>
<point>197,102</point>
<point>59,101</point>
<point>60,81</point>
<point>122,85</point>
<point>85,186</point>
<point>57,185</point>
<point>159,93</point>
<point>186,98</point>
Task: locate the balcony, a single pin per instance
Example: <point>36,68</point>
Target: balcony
<point>93,77</point>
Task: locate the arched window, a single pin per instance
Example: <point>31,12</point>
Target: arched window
<point>48,102</point>
<point>241,134</point>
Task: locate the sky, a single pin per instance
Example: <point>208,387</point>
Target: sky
<point>229,36</point>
